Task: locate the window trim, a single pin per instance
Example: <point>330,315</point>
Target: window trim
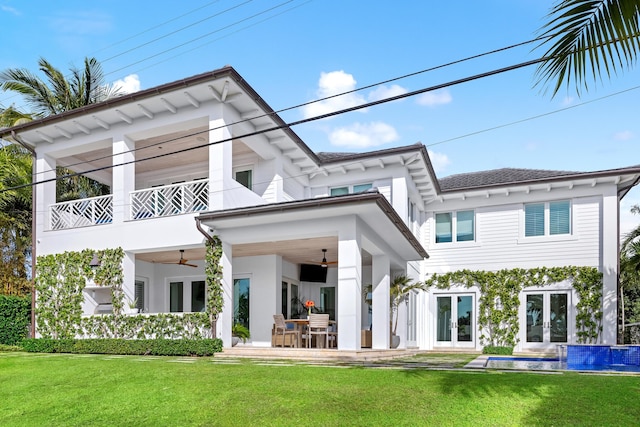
<point>454,228</point>
<point>350,188</point>
<point>186,292</point>
<point>240,169</point>
<point>547,221</point>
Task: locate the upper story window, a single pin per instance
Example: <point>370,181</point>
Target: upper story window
<point>459,225</point>
<point>244,177</point>
<point>547,219</point>
<point>350,189</point>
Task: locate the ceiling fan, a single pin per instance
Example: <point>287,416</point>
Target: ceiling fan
<point>181,261</point>
<point>324,262</point>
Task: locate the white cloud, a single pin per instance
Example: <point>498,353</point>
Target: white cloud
<point>10,10</point>
<point>129,84</point>
<point>363,135</point>
<point>439,161</point>
<point>384,92</point>
<point>624,135</point>
<point>333,83</point>
<point>435,98</point>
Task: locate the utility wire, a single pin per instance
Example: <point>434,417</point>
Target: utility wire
<point>274,113</point>
<point>294,123</point>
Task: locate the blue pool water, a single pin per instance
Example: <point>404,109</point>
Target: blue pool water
<point>576,358</point>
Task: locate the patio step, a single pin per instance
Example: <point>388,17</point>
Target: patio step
<point>312,354</point>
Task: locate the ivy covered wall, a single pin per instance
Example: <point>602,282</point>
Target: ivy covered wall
<point>61,279</point>
<point>499,300</point>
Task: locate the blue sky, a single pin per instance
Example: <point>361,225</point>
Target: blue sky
<point>295,51</point>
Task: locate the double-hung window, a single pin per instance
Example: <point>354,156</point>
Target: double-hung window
<point>547,219</point>
<point>350,189</point>
<point>456,226</point>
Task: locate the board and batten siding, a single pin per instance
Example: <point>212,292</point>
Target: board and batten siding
<point>500,242</point>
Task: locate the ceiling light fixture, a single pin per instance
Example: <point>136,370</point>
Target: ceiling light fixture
<point>324,259</point>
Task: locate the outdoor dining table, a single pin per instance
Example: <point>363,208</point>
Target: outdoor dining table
<point>301,324</point>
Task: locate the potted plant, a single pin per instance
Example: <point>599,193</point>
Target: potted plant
<point>133,306</point>
<point>399,289</point>
<point>239,332</point>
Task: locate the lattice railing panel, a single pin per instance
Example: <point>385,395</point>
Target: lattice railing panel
<point>170,200</point>
<point>82,213</point>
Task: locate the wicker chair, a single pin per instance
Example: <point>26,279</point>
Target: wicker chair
<point>318,325</point>
<point>281,329</point>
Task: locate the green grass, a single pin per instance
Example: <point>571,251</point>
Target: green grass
<point>95,390</point>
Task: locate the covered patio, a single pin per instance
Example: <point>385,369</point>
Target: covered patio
<point>264,247</point>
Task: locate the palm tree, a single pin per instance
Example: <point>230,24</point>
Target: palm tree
<point>588,37</point>
<point>15,219</point>
<point>58,94</point>
<point>399,288</point>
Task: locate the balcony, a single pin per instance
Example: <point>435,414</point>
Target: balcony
<point>154,202</point>
<point>170,200</point>
<point>82,213</point>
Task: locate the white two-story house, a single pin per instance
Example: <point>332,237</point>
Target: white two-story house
<point>207,156</point>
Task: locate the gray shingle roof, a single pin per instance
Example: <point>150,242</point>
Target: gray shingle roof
<point>497,177</point>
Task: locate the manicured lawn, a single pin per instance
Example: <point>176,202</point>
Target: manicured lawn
<point>93,390</point>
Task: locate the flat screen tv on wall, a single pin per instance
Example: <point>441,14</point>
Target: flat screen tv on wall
<point>313,273</point>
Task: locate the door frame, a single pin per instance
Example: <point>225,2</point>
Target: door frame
<point>546,343</point>
<point>454,343</point>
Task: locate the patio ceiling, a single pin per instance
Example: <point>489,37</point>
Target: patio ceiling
<point>301,251</point>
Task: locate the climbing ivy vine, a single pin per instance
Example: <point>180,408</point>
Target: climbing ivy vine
<point>213,280</point>
<point>499,298</point>
<point>59,283</point>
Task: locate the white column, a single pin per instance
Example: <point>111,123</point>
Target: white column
<point>129,278</point>
<point>399,196</point>
<point>124,177</point>
<point>220,160</point>
<point>610,253</point>
<point>349,286</point>
<point>225,319</point>
<point>380,302</point>
<point>45,192</point>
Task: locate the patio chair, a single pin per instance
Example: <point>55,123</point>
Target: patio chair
<point>318,325</point>
<point>333,335</point>
<point>281,329</point>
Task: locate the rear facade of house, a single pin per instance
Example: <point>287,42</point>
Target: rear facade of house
<point>207,156</point>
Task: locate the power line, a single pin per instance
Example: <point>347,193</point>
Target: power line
<point>331,96</point>
<point>294,123</point>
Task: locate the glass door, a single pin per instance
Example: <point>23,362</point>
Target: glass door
<point>241,300</point>
<point>546,315</point>
<point>455,320</point>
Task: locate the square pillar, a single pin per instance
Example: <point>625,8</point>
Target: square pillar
<point>225,319</point>
<point>124,177</point>
<point>220,160</point>
<point>45,193</point>
<point>381,318</point>
<point>610,253</point>
<point>349,286</point>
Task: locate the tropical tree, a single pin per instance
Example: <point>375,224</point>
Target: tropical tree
<point>399,288</point>
<point>15,219</point>
<point>630,275</point>
<point>58,94</point>
<point>588,39</point>
<point>52,95</point>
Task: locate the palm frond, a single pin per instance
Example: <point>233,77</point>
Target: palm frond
<point>589,39</point>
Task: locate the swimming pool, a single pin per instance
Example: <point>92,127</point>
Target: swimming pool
<point>618,358</point>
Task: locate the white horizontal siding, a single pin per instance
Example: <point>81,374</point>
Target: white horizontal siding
<point>500,243</point>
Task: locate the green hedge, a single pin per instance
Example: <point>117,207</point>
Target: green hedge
<point>155,347</point>
<point>494,349</point>
<point>14,318</point>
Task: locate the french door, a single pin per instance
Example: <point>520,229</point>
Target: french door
<point>546,316</point>
<point>455,320</point>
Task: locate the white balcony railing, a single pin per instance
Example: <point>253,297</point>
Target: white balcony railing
<point>82,213</point>
<point>169,200</point>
